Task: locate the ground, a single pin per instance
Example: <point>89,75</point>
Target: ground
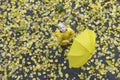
<point>26,27</point>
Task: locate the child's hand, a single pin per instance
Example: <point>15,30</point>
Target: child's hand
<point>65,41</point>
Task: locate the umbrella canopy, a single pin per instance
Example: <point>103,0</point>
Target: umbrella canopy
<point>82,49</point>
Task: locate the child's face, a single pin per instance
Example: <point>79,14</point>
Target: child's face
<point>62,28</point>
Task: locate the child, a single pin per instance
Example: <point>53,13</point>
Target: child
<point>63,34</point>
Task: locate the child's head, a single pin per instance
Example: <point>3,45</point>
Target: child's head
<point>62,27</point>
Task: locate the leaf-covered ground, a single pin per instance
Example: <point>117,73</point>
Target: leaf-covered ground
<point>25,45</point>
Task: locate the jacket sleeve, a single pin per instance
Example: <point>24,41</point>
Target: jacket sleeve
<point>71,33</point>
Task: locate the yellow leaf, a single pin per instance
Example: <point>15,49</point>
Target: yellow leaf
<point>60,0</point>
<point>66,75</point>
<point>118,76</point>
<point>34,79</point>
<point>109,63</point>
<point>1,69</point>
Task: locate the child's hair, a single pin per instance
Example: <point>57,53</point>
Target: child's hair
<point>60,23</point>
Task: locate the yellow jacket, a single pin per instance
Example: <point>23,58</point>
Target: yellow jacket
<point>64,38</point>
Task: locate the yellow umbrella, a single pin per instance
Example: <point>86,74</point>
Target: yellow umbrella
<point>82,48</point>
